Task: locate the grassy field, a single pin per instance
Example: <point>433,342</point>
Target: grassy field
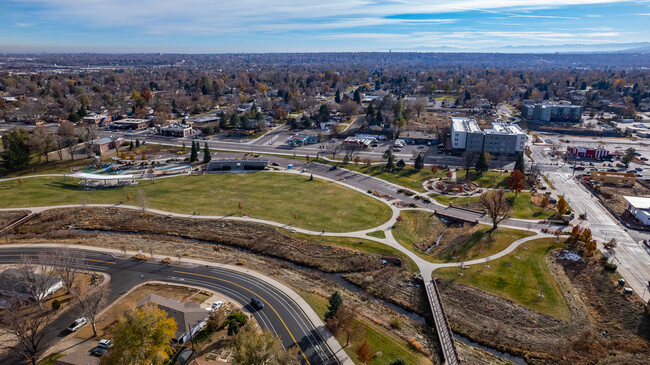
<point>52,167</point>
<point>458,243</point>
<point>488,179</point>
<point>371,247</point>
<point>408,177</point>
<point>283,198</point>
<point>379,338</point>
<point>377,234</point>
<point>445,97</point>
<point>522,282</point>
<point>521,205</point>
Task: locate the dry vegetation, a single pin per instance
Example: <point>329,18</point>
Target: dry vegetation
<point>613,195</point>
<point>8,217</point>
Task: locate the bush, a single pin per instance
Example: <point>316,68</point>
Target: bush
<point>140,257</point>
<point>412,205</point>
<point>166,260</point>
<point>396,322</point>
<point>610,267</point>
<point>56,304</point>
<point>238,317</point>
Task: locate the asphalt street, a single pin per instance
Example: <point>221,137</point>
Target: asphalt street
<point>280,314</point>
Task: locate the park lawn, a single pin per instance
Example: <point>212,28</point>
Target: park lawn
<point>415,226</point>
<point>377,234</point>
<point>368,246</point>
<point>488,179</point>
<point>521,205</point>
<point>445,97</point>
<point>521,282</point>
<point>379,338</point>
<point>55,166</point>
<point>284,198</point>
<point>407,177</point>
<point>477,242</point>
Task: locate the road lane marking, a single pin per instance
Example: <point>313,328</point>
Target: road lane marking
<point>267,303</point>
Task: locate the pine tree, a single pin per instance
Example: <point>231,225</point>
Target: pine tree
<point>519,165</point>
<point>419,163</point>
<point>483,163</point>
<point>357,96</point>
<point>137,143</point>
<point>194,153</point>
<point>334,304</point>
<point>207,157</point>
<point>390,164</point>
<point>337,98</point>
<point>401,164</point>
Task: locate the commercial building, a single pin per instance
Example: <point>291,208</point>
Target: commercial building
<point>615,178</point>
<point>639,208</point>
<point>176,130</point>
<point>102,145</point>
<point>190,318</point>
<point>301,140</point>
<point>420,137</point>
<point>551,112</point>
<point>354,143</point>
<point>587,152</point>
<point>502,138</point>
<point>130,123</point>
<point>97,119</point>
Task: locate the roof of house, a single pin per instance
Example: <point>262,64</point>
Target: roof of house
<point>9,282</point>
<point>638,202</point>
<point>186,314</point>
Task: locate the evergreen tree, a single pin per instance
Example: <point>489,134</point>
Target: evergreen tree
<point>390,164</point>
<point>371,112</point>
<point>519,165</point>
<point>337,98</point>
<point>419,163</point>
<point>334,304</point>
<point>194,152</point>
<point>357,96</point>
<point>137,143</point>
<point>380,117</point>
<point>483,163</point>
<point>401,164</point>
<point>207,156</point>
<point>16,149</point>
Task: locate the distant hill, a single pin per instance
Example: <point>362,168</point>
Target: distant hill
<point>636,47</point>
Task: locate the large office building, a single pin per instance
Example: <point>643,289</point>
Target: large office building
<point>550,112</point>
<point>502,138</point>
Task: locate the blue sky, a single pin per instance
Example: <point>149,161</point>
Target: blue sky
<point>314,26</point>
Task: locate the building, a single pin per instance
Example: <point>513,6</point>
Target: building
<point>502,138</point>
<point>616,178</point>
<point>98,119</point>
<point>176,130</point>
<point>420,137</point>
<point>301,140</point>
<point>639,208</point>
<point>237,165</point>
<point>551,112</point>
<point>17,284</point>
<point>354,143</point>
<point>102,145</point>
<point>130,123</point>
<point>587,152</point>
<point>189,317</point>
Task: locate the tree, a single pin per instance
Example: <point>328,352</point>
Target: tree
<point>142,336</point>
<point>216,318</point>
<point>496,206</point>
<point>337,97</point>
<point>349,109</point>
<point>142,200</point>
<point>434,169</point>
<point>334,302</point>
<point>515,181</point>
<point>390,162</point>
<point>68,265</point>
<point>207,157</point>
<point>628,157</point>
<point>27,324</point>
<point>364,354</point>
<point>42,141</point>
<point>91,299</point>
<point>419,163</point>
<point>468,161</point>
<point>357,96</point>
<point>343,322</point>
<point>398,362</point>
<point>561,205</point>
<point>519,164</point>
<point>16,149</point>
<point>35,276</point>
<point>194,152</point>
<point>252,348</point>
<point>401,164</point>
<point>483,162</point>
<point>89,134</point>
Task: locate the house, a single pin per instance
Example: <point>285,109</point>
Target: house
<point>189,317</point>
<point>77,358</point>
<point>639,208</point>
<point>176,130</point>
<point>13,285</point>
<point>102,145</point>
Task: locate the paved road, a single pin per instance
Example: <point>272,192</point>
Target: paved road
<point>281,314</point>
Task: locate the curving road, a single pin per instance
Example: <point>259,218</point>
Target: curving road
<point>281,314</point>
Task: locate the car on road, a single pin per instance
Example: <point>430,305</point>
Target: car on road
<point>333,167</point>
<point>216,305</point>
<point>548,141</point>
<point>257,303</point>
<point>275,164</point>
<point>101,348</point>
<point>579,168</point>
<point>128,134</point>
<point>397,149</point>
<point>644,159</point>
<point>78,323</point>
<point>333,140</point>
<point>612,170</point>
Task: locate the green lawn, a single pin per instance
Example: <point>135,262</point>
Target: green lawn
<point>522,282</point>
<point>408,177</point>
<point>521,205</point>
<point>445,97</point>
<point>371,247</point>
<point>488,179</point>
<point>464,243</point>
<point>52,167</point>
<point>284,198</point>
<point>377,234</point>
<point>548,182</point>
<point>379,338</point>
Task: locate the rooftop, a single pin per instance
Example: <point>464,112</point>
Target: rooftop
<point>186,314</point>
<point>464,124</point>
<point>638,202</point>
<point>505,128</point>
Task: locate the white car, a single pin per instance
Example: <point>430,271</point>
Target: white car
<point>216,305</point>
<point>78,323</point>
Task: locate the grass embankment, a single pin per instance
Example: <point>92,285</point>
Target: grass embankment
<point>368,246</point>
<point>52,167</point>
<point>548,182</point>
<point>379,338</point>
<point>420,230</point>
<point>521,206</point>
<point>407,177</point>
<point>521,280</point>
<point>283,198</point>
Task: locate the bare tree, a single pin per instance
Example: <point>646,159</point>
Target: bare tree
<point>23,326</point>
<point>142,200</point>
<point>469,160</point>
<point>42,141</point>
<point>349,109</point>
<point>68,265</point>
<point>67,138</point>
<point>89,134</point>
<point>496,206</point>
<point>343,322</point>
<point>333,149</point>
<point>35,276</point>
<point>91,300</point>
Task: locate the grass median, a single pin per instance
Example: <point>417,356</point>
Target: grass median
<point>283,198</point>
<point>521,276</point>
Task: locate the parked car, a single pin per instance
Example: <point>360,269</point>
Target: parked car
<point>333,140</point>
<point>216,305</point>
<point>548,141</point>
<point>397,149</point>
<point>78,323</point>
<point>333,167</point>
<point>257,303</point>
<point>101,348</point>
<point>275,164</point>
<point>580,168</point>
<point>644,159</point>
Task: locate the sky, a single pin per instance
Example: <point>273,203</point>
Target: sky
<point>219,26</point>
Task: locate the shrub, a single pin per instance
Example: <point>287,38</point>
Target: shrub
<point>412,205</point>
<point>166,260</point>
<point>396,322</point>
<point>610,267</point>
<point>56,304</point>
<point>238,317</point>
<point>140,257</point>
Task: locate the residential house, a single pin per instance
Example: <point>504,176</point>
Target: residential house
<point>190,318</point>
